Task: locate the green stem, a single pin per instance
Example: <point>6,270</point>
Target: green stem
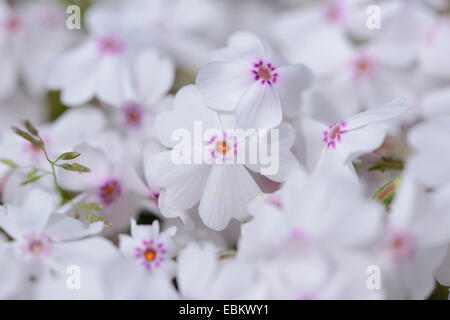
<point>55,179</point>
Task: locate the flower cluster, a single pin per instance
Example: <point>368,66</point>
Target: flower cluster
<point>195,149</point>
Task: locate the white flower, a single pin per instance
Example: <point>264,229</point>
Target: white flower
<point>152,76</point>
<point>339,223</point>
<point>415,242</point>
<point>31,35</point>
<point>60,136</point>
<point>187,29</point>
<point>307,36</point>
<point>362,82</point>
<point>221,186</point>
<point>152,249</point>
<point>250,79</point>
<point>99,67</point>
<point>10,275</point>
<point>43,240</point>
<point>405,21</point>
<point>436,50</point>
<point>436,102</point>
<point>138,284</point>
<point>201,275</point>
<point>431,143</point>
<point>338,144</point>
<point>311,224</point>
<point>17,107</point>
<point>112,182</point>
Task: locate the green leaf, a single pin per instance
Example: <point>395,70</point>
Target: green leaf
<point>31,129</point>
<point>9,163</point>
<point>92,218</point>
<point>74,167</point>
<point>28,137</point>
<point>32,172</point>
<point>32,179</point>
<point>388,163</point>
<point>69,155</point>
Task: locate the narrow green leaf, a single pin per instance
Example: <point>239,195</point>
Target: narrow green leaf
<point>31,129</point>
<point>387,163</point>
<point>32,179</point>
<point>9,163</point>
<point>74,167</point>
<point>32,172</point>
<point>28,137</point>
<point>69,155</point>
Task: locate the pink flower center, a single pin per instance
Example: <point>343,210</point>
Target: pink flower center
<point>13,24</point>
<point>35,247</point>
<point>264,72</point>
<point>400,245</point>
<point>133,115</point>
<point>150,253</point>
<point>333,134</point>
<point>154,196</point>
<point>334,13</point>
<point>275,201</point>
<point>110,45</point>
<point>110,191</point>
<point>363,67</point>
<point>222,149</point>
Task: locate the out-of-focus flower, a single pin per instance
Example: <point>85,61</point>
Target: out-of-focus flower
<point>435,52</point>
<point>309,35</point>
<point>31,35</point>
<point>340,143</point>
<point>44,241</point>
<point>71,129</point>
<point>431,143</point>
<point>111,183</point>
<point>185,29</point>
<point>99,67</point>
<point>202,275</point>
<point>290,233</point>
<point>414,244</point>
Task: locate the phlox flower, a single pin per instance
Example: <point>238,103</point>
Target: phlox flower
<point>60,136</point>
<point>429,162</point>
<point>361,83</point>
<point>414,243</point>
<point>301,245</point>
<point>112,183</point>
<point>187,29</point>
<point>202,275</point>
<point>436,50</point>
<point>340,143</point>
<point>31,35</point>
<point>315,36</point>
<point>97,68</point>
<point>249,78</point>
<point>150,248</point>
<point>43,241</point>
<point>221,186</point>
<point>405,22</point>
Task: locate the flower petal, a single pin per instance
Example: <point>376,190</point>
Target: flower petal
<point>224,83</point>
<point>259,108</point>
<point>227,192</point>
<point>388,111</point>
